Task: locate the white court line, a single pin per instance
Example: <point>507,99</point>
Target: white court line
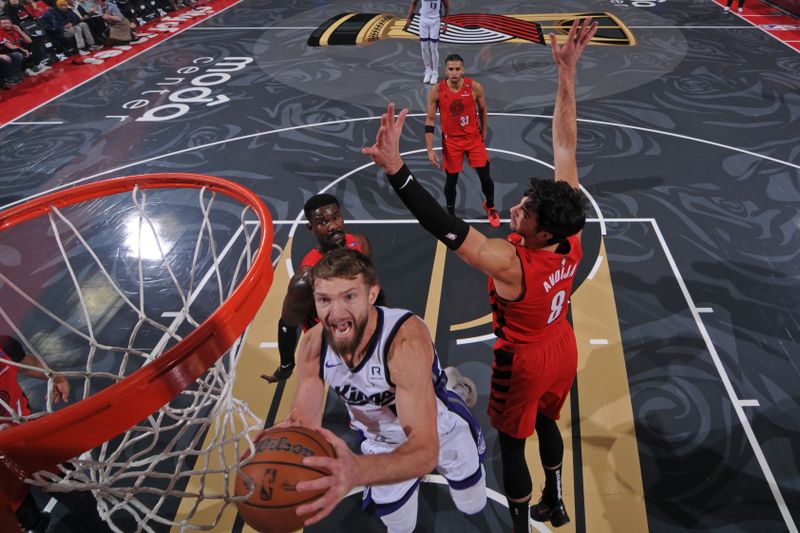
<point>212,28</point>
<point>598,342</point>
<point>704,310</point>
<point>748,27</point>
<point>472,340</point>
<point>45,123</point>
<point>596,267</point>
<point>762,460</point>
<point>109,69</point>
<point>660,132</point>
<point>266,345</point>
<point>361,119</point>
<point>749,403</point>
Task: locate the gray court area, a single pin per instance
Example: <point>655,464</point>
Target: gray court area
<point>689,143</point>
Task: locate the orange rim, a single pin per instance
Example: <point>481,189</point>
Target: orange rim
<point>57,437</point>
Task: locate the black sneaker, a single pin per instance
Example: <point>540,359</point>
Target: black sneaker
<point>556,514</point>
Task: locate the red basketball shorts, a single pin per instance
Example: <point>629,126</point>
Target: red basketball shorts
<point>532,378</point>
<point>454,149</point>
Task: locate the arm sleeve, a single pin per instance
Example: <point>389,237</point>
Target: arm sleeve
<point>451,230</point>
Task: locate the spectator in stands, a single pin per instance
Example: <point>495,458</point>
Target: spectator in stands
<point>66,27</point>
<point>8,69</point>
<point>88,13</point>
<point>14,40</point>
<point>13,10</point>
<point>120,29</point>
<point>728,7</point>
<point>34,8</point>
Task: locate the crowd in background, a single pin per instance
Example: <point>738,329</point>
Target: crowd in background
<point>35,34</point>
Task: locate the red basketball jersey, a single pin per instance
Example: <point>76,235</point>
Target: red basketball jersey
<point>313,257</point>
<point>457,110</point>
<point>548,280</point>
<point>10,391</point>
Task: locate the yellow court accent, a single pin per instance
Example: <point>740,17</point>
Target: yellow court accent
<point>250,388</point>
<point>434,301</point>
<point>612,478</point>
<point>485,319</point>
<point>323,41</point>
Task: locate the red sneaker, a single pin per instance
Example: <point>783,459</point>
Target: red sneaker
<point>494,218</point>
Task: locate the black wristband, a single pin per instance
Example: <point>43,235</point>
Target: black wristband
<point>429,128</point>
<point>452,231</point>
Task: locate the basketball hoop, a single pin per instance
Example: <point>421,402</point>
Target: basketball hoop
<point>150,388</point>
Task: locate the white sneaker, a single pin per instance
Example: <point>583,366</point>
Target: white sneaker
<point>434,78</point>
<point>461,385</point>
<point>29,72</point>
<point>726,9</point>
<point>740,10</point>
<point>427,77</point>
<point>83,52</point>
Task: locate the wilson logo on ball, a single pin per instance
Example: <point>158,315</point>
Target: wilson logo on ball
<point>283,445</point>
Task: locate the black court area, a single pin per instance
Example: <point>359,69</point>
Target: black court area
<point>685,415</point>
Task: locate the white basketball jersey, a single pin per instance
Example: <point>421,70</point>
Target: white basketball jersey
<point>430,9</point>
<point>367,389</point>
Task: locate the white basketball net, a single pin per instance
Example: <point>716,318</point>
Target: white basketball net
<point>141,478</point>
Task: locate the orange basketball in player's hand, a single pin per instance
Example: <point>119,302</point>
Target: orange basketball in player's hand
<point>275,470</point>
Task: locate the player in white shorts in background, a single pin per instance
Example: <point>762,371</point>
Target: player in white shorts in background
<point>430,22</point>
<point>381,363</point>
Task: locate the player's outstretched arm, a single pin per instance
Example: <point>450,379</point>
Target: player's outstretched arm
<point>409,360</point>
<point>494,257</point>
<point>297,303</point>
<point>446,14</point>
<point>565,126</point>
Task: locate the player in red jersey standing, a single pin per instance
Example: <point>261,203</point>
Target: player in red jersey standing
<point>530,281</point>
<point>13,405</point>
<point>459,101</point>
<point>326,223</point>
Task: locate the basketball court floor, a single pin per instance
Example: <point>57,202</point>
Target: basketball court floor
<point>685,415</point>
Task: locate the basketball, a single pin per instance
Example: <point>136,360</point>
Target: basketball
<point>275,469</point>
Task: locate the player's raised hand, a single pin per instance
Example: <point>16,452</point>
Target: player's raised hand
<point>60,390</point>
<point>338,484</point>
<point>386,150</point>
<point>580,33</point>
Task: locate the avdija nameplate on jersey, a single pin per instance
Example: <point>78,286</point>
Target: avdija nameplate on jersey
<point>468,28</point>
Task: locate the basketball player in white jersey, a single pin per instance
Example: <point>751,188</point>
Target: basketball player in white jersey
<point>381,363</point>
<point>430,21</point>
